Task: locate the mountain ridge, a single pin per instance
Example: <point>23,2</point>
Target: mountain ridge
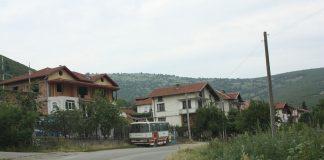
<point>292,87</point>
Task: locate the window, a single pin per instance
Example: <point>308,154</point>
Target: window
<point>15,88</point>
<point>60,73</point>
<point>184,104</point>
<point>160,99</point>
<point>69,104</point>
<point>59,87</point>
<point>200,104</point>
<point>139,128</point>
<point>160,107</point>
<point>161,119</point>
<point>101,79</point>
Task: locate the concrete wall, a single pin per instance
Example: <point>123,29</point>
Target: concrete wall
<point>174,108</point>
<point>143,108</point>
<point>60,101</point>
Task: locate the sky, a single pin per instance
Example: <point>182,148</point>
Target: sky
<point>192,38</point>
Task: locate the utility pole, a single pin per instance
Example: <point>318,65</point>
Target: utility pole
<point>3,72</point>
<point>271,105</point>
<point>188,118</point>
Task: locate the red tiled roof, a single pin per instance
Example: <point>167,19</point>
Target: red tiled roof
<point>143,101</point>
<point>47,71</point>
<point>233,95</point>
<point>82,77</point>
<point>178,89</point>
<point>41,73</point>
<point>128,111</point>
<point>280,105</point>
<point>82,83</point>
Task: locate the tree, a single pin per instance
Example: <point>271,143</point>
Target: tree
<point>232,120</point>
<point>255,117</point>
<point>17,121</point>
<point>210,121</point>
<point>304,105</point>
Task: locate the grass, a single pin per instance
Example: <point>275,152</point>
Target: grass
<point>296,142</point>
<point>70,145</point>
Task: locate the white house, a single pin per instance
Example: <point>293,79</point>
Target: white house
<point>143,105</point>
<point>169,103</point>
<point>231,100</point>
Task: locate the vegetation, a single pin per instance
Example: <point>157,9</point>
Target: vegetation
<point>250,138</point>
<point>84,123</point>
<point>293,87</point>
<point>294,142</point>
<point>212,122</point>
<point>13,68</point>
<point>17,120</point>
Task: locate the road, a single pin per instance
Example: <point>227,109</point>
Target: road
<point>140,153</point>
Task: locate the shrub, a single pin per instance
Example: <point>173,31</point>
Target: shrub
<point>292,142</point>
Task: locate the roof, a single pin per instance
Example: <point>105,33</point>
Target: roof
<point>281,105</point>
<point>128,111</point>
<point>182,89</point>
<point>143,101</point>
<point>48,71</point>
<point>229,96</point>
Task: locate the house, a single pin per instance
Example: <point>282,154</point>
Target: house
<point>230,100</point>
<point>143,105</point>
<point>287,113</point>
<point>61,88</point>
<point>169,103</point>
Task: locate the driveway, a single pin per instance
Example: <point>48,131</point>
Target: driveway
<point>140,153</point>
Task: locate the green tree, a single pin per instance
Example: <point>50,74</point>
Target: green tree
<point>17,121</point>
<point>255,117</point>
<point>210,121</point>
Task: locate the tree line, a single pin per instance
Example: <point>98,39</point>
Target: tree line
<point>212,122</point>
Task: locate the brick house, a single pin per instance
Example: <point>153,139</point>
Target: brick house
<point>60,88</point>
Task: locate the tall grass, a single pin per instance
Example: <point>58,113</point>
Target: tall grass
<point>296,142</point>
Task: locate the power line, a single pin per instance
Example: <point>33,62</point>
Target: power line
<point>292,25</point>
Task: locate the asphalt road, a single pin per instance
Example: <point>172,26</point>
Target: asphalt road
<point>141,153</point>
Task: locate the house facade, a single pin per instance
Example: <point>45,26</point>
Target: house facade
<point>287,113</point>
<point>230,100</point>
<point>143,105</point>
<point>60,89</point>
<point>169,104</point>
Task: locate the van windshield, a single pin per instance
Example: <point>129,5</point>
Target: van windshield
<point>139,128</point>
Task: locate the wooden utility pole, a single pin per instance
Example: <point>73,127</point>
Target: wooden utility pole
<point>188,118</point>
<point>271,105</point>
<point>3,72</point>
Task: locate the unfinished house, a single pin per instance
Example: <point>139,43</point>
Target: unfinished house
<point>61,89</point>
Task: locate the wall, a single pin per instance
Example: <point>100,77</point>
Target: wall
<point>60,100</point>
<point>174,108</point>
<point>56,75</point>
<point>143,108</point>
<point>105,82</point>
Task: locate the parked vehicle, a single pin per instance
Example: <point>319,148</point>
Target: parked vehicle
<point>149,133</point>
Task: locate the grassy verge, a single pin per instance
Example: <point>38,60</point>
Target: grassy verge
<point>67,145</point>
<point>296,142</point>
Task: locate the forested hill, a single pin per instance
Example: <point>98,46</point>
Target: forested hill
<point>12,68</point>
<point>293,87</point>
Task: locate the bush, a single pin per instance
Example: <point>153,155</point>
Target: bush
<point>16,126</point>
<point>294,142</point>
